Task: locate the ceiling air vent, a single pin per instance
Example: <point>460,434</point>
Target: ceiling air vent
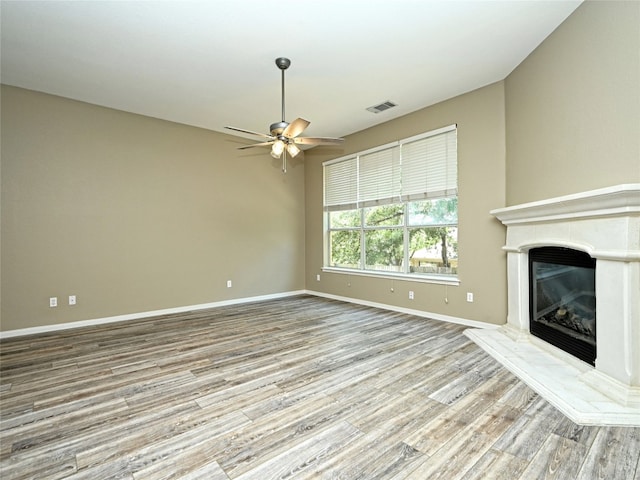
<point>382,107</point>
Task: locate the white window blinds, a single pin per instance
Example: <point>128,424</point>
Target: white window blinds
<point>430,167</point>
<point>379,177</point>
<point>424,166</point>
<point>340,184</point>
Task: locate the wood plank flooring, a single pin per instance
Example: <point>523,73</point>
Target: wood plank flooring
<point>297,388</point>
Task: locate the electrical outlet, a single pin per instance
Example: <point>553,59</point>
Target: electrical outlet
<point>53,301</point>
<point>410,294</point>
<point>72,299</point>
<point>318,277</point>
<point>469,297</point>
<point>229,284</point>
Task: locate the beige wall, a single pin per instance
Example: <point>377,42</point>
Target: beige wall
<point>481,166</point>
<point>573,106</point>
<point>569,116</point>
<point>133,214</point>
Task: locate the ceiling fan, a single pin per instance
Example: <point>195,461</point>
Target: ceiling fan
<point>284,137</point>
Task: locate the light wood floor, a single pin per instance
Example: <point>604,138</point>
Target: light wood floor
<point>298,388</point>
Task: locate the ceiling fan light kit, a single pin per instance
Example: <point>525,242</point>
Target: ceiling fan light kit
<point>293,149</point>
<point>277,148</point>
<point>283,136</point>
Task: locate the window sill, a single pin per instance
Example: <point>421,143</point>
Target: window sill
<point>425,278</point>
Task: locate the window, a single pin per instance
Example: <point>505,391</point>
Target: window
<point>394,209</point>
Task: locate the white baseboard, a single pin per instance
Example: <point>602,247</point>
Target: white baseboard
<point>236,301</point>
<point>136,316</point>
<point>410,311</point>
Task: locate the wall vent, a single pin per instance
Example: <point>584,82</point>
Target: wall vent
<point>382,107</point>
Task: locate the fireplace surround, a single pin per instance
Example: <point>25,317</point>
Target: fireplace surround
<point>603,224</point>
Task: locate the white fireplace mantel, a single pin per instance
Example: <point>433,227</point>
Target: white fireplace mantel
<point>605,202</point>
<point>604,223</point>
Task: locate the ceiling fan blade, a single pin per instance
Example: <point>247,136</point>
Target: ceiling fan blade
<point>263,135</point>
<point>318,141</point>
<point>295,128</point>
<point>263,144</point>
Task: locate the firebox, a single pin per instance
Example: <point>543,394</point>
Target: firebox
<point>562,300</point>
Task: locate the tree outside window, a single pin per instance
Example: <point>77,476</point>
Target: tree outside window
<point>394,208</point>
<point>408,237</point>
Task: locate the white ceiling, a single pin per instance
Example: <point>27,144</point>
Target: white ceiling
<point>211,63</point>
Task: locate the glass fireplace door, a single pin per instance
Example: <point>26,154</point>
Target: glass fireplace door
<point>562,301</point>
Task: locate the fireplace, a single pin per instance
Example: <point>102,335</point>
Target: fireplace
<point>572,261</point>
<point>562,300</point>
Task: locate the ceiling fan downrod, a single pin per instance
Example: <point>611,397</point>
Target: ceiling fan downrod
<point>277,128</point>
<point>283,64</point>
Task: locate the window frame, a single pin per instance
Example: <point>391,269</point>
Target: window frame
<point>355,202</point>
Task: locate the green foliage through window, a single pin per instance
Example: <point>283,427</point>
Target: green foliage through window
<point>409,237</point>
<point>394,208</point>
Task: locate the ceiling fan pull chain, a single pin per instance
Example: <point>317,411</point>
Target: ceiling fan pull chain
<point>284,161</point>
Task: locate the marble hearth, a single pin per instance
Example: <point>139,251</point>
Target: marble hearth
<point>604,223</point>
